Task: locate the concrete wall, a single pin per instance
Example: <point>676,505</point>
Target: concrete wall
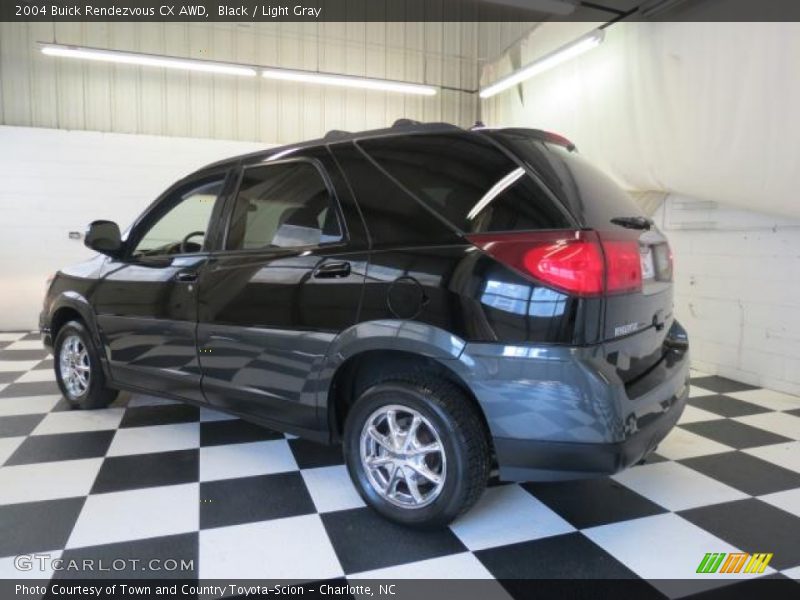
<point>737,290</point>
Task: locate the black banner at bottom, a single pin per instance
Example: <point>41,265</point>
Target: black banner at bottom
<point>774,587</point>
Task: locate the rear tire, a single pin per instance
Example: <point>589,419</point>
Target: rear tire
<point>78,370</point>
<point>416,450</point>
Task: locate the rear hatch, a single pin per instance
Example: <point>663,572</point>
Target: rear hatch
<point>638,310</point>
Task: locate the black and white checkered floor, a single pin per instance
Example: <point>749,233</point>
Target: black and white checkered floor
<point>149,478</point>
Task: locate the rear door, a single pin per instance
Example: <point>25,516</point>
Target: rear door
<point>288,280</point>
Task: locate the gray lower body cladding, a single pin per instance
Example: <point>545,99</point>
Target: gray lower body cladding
<point>532,460</point>
<point>564,413</point>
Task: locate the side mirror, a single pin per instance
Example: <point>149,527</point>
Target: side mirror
<point>103,237</point>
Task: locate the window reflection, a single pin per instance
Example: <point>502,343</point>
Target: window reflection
<point>546,303</point>
<point>383,272</point>
<point>522,299</point>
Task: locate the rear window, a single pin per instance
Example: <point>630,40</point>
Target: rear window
<point>468,181</point>
<point>589,194</point>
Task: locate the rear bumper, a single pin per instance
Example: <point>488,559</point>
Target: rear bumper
<point>565,413</point>
<point>532,460</point>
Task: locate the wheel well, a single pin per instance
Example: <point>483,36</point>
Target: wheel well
<point>360,371</point>
<point>61,316</point>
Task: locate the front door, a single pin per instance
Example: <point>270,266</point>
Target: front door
<point>287,282</point>
<point>146,302</point>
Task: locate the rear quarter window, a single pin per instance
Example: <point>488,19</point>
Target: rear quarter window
<point>590,195</point>
<point>468,181</point>
<point>391,214</point>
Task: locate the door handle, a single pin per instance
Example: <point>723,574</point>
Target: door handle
<point>330,270</point>
<point>186,276</point>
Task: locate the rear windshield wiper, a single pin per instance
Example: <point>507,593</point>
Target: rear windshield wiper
<point>633,222</point>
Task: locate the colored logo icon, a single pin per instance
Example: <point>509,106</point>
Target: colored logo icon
<point>735,562</point>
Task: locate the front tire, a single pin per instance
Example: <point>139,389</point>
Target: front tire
<point>416,450</point>
<point>78,370</point>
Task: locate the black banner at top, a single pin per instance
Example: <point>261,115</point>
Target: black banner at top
<point>600,11</point>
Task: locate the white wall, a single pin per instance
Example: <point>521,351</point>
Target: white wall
<point>55,181</point>
<point>62,93</point>
<point>737,290</point>
<point>494,38</point>
<point>703,109</point>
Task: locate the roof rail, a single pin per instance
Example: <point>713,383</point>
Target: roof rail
<point>405,123</point>
<point>336,134</point>
<point>412,124</point>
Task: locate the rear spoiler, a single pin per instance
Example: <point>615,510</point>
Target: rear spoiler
<point>541,135</point>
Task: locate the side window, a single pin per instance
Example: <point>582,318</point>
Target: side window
<point>468,181</point>
<point>392,215</point>
<point>181,228</point>
<point>284,205</point>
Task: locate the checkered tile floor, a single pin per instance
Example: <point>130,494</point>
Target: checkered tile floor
<point>149,478</point>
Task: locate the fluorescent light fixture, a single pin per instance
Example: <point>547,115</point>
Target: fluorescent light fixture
<point>495,191</point>
<point>571,50</point>
<point>364,83</point>
<point>146,60</point>
<point>190,64</point>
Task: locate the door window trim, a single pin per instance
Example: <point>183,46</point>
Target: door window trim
<point>233,197</point>
<point>153,212</point>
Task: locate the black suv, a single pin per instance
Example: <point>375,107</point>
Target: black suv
<point>441,301</point>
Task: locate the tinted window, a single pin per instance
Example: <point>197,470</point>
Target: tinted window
<point>589,193</point>
<point>392,216</point>
<point>181,229</point>
<point>282,206</point>
<point>468,181</point>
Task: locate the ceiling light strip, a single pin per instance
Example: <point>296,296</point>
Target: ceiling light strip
<point>565,53</point>
<point>190,64</point>
<point>365,83</point>
<point>146,60</point>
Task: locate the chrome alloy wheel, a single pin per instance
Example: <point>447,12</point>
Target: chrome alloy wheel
<point>74,366</point>
<point>403,456</point>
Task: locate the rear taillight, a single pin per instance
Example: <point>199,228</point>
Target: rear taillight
<point>623,265</point>
<point>575,265</point>
<point>662,257</point>
<point>583,263</point>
